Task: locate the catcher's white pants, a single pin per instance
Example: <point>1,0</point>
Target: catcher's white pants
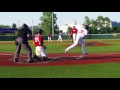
<point>40,51</point>
<point>77,41</point>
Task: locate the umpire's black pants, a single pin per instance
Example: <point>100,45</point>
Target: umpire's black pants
<point>24,43</point>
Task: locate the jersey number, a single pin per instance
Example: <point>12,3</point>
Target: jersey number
<point>36,39</point>
<point>81,31</point>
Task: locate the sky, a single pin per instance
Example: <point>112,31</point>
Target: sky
<point>79,17</point>
<point>8,18</point>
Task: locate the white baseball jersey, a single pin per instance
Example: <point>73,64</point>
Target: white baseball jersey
<point>82,32</point>
<point>60,34</point>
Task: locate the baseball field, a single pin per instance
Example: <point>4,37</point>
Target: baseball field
<point>102,60</point>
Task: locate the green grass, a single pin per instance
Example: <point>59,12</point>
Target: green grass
<point>106,70</point>
<point>56,47</point>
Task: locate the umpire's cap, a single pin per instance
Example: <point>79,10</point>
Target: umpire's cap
<point>40,31</point>
<point>24,25</point>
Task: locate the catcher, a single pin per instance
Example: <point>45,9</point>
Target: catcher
<point>40,52</point>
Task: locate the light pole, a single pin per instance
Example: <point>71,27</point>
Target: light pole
<point>18,24</point>
<point>53,25</point>
<point>32,27</point>
<point>75,22</point>
<point>98,28</point>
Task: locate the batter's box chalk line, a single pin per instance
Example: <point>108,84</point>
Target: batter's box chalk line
<point>52,59</point>
<point>5,54</point>
<point>60,57</point>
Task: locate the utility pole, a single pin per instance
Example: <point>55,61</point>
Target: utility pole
<point>18,24</point>
<point>53,25</point>
<point>75,22</point>
<point>32,27</point>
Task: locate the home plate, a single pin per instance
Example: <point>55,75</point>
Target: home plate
<point>79,58</point>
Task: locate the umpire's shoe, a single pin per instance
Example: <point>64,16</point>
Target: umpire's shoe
<point>30,61</point>
<point>15,60</point>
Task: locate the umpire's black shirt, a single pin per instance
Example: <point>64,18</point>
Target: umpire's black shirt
<point>23,32</point>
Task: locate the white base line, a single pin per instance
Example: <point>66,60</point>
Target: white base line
<point>107,53</point>
<point>48,61</point>
<point>79,57</point>
<point>5,54</point>
<point>11,54</point>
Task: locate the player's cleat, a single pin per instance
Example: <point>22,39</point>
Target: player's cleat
<point>36,57</point>
<point>44,58</point>
<point>65,52</point>
<point>85,53</point>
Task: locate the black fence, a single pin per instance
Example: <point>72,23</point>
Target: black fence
<point>65,37</point>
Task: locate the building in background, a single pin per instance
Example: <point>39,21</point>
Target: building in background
<point>64,27</point>
<point>114,24</point>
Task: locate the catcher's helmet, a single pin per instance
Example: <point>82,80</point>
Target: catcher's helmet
<point>40,31</point>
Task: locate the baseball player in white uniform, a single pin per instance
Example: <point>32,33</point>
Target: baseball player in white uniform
<point>60,37</point>
<point>49,38</point>
<point>82,32</point>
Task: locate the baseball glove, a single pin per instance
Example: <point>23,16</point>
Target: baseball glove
<point>45,47</point>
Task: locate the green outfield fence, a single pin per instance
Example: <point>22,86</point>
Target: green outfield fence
<point>65,37</point>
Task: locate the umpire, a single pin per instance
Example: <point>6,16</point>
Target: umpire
<point>22,40</point>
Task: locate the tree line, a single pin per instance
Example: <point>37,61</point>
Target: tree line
<point>48,20</point>
<point>102,25</point>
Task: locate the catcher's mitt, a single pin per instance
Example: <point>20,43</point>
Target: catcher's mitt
<point>45,47</point>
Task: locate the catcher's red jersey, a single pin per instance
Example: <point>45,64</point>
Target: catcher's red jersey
<point>38,40</point>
